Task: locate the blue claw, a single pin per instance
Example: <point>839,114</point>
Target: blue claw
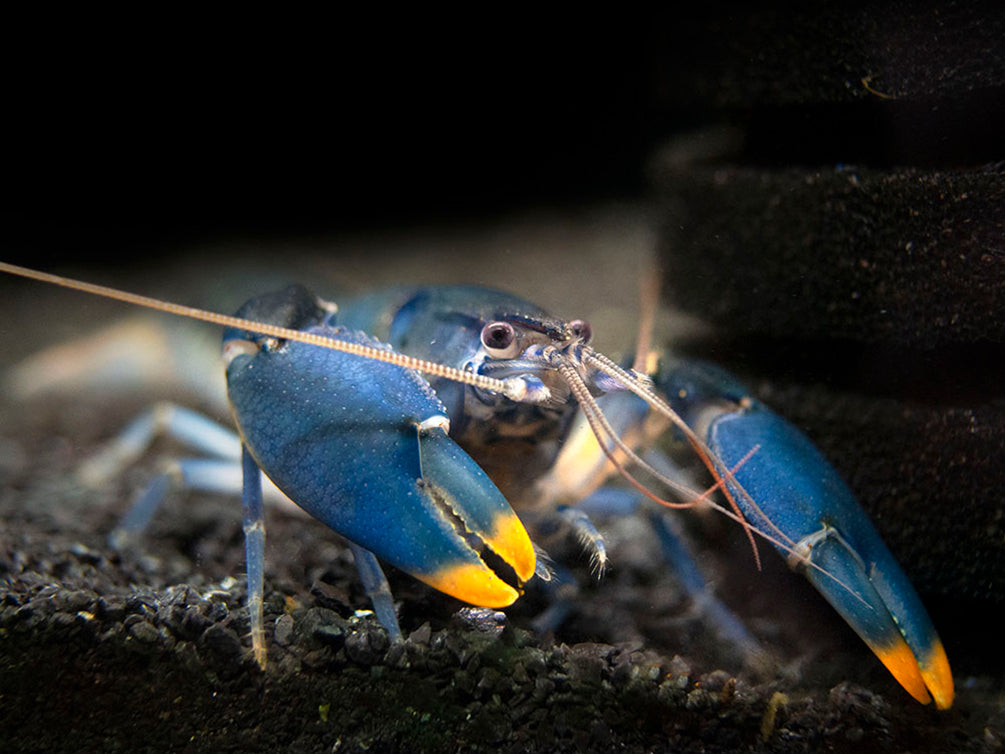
<point>363,448</point>
<point>790,492</point>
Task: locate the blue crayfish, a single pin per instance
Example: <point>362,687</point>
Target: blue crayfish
<point>409,469</point>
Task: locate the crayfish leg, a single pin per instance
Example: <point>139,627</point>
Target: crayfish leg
<point>253,521</point>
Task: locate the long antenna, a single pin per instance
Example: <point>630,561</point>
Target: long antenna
<point>513,388</point>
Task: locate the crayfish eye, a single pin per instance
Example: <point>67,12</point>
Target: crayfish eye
<point>499,339</point>
<point>581,329</point>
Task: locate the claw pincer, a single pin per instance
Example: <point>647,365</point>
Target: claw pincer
<point>362,446</point>
<point>789,491</point>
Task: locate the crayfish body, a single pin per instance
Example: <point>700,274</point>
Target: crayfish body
<point>329,407</point>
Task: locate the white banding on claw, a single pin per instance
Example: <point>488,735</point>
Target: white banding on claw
<point>436,421</point>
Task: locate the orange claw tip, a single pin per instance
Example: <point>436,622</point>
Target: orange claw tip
<point>938,677</point>
<point>927,679</point>
<point>511,543</point>
<point>901,662</point>
<point>474,583</point>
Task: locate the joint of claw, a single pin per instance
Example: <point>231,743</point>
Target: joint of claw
<point>801,554</point>
<point>434,422</point>
<point>800,557</point>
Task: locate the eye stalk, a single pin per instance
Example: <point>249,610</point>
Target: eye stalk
<point>500,341</point>
<point>581,329</point>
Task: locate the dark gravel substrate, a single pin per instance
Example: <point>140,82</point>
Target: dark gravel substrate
<point>149,651</point>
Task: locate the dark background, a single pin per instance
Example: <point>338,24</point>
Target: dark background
<point>132,148</point>
<point>129,136</point>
